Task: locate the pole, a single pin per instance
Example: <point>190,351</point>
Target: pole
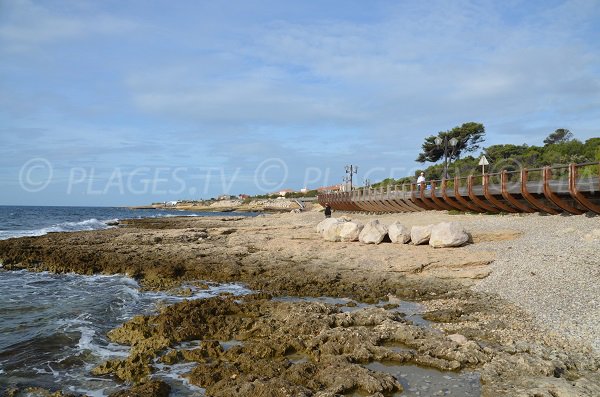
<point>350,169</point>
<point>350,178</point>
<point>446,157</point>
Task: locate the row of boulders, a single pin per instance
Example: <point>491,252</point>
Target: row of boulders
<point>445,234</point>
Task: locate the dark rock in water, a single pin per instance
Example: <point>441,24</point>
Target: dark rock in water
<point>153,388</point>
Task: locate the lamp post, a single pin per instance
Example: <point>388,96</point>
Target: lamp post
<point>453,142</point>
<point>350,169</point>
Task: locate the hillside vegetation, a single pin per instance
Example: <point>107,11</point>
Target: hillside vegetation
<point>560,148</point>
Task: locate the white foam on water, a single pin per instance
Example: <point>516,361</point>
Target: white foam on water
<point>174,375</point>
<point>88,224</point>
<point>90,393</point>
<point>86,338</point>
<point>197,293</point>
<point>88,341</point>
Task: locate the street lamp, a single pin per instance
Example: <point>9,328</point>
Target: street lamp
<point>453,142</point>
<point>350,169</point>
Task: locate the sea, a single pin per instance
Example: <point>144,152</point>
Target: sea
<point>53,326</point>
<point>23,221</point>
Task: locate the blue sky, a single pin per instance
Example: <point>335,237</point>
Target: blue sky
<point>129,102</point>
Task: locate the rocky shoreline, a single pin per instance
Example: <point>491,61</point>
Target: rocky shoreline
<point>304,347</point>
<point>280,204</point>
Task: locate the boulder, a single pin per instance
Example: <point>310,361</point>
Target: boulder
<point>398,233</point>
<point>448,234</point>
<point>350,231</point>
<point>325,223</point>
<point>420,234</point>
<point>332,231</point>
<point>373,233</point>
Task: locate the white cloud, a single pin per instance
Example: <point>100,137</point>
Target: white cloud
<point>422,67</point>
<point>25,25</point>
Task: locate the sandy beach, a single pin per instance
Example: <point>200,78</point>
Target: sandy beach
<point>518,306</point>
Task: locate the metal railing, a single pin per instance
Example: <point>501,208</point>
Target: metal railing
<point>573,188</point>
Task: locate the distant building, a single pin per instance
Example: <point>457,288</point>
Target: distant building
<point>224,197</point>
<point>284,192</point>
<point>303,190</point>
<point>330,189</point>
<point>171,203</point>
<point>243,196</point>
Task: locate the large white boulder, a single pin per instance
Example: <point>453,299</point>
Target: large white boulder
<point>373,233</point>
<point>398,233</point>
<point>350,231</point>
<point>332,231</point>
<point>325,224</point>
<point>420,234</point>
<point>448,234</point>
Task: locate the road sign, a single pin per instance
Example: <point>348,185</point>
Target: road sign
<point>483,162</point>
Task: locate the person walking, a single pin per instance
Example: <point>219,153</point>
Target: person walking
<point>327,210</point>
<point>421,178</point>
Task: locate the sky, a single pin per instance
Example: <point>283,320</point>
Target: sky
<point>129,102</point>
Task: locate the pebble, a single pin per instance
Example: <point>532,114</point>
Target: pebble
<point>552,271</point>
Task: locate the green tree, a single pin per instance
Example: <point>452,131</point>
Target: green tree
<point>592,149</point>
<point>496,153</point>
<point>572,151</point>
<point>561,135</point>
<point>468,136</point>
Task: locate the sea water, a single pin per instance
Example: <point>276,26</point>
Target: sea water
<point>53,327</point>
<point>23,221</point>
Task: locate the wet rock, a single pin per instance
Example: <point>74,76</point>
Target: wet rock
<point>341,378</point>
<point>155,388</point>
<point>373,233</point>
<point>350,231</point>
<point>448,234</point>
<point>420,234</point>
<point>398,233</point>
<point>133,369</point>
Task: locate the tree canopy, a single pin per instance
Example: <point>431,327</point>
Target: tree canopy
<point>468,136</point>
<point>513,157</point>
<point>561,135</point>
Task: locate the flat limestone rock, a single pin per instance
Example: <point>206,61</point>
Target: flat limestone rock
<point>373,233</point>
<point>398,233</point>
<point>448,234</point>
